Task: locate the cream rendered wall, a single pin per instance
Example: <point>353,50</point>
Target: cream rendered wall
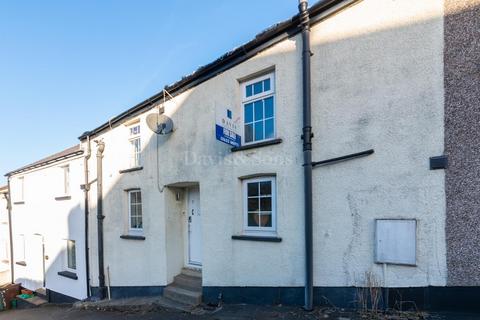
<point>56,221</point>
<point>377,73</point>
<point>130,262</point>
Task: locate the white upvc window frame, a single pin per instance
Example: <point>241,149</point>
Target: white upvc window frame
<point>266,231</point>
<point>67,255</point>
<point>134,230</point>
<point>66,179</point>
<point>255,97</point>
<point>135,153</point>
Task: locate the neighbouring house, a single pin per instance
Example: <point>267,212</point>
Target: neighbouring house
<point>49,226</point>
<point>5,276</point>
<point>182,214</point>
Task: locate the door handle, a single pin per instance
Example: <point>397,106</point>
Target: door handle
<point>190,219</point>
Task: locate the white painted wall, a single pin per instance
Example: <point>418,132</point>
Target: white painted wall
<point>4,241</point>
<point>377,75</point>
<point>54,221</point>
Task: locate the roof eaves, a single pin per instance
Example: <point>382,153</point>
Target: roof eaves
<point>262,40</point>
<point>63,155</point>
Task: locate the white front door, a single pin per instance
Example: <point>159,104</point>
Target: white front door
<point>35,263</point>
<point>194,227</point>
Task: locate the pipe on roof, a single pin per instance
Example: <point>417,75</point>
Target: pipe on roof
<point>307,136</point>
<point>102,290</point>
<point>87,213</point>
<point>10,229</point>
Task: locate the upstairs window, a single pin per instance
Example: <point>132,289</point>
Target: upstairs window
<point>135,146</point>
<point>259,109</point>
<point>259,204</point>
<point>135,211</point>
<point>66,179</point>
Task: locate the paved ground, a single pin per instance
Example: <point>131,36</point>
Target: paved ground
<point>231,312</point>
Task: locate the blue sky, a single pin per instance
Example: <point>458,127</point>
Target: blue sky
<point>68,66</point>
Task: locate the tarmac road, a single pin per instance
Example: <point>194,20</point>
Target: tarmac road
<point>229,312</point>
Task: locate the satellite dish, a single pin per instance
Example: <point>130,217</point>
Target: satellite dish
<point>159,123</point>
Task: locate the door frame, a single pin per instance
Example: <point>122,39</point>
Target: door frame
<point>187,260</point>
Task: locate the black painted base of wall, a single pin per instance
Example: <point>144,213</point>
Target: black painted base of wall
<point>421,298</point>
<point>130,292</point>
<point>57,297</point>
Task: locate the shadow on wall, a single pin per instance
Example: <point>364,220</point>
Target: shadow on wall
<point>47,263</point>
<point>362,84</point>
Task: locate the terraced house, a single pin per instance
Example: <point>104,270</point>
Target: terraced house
<point>378,97</point>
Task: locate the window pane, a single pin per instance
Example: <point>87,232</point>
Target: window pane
<point>266,84</point>
<point>139,197</point>
<point>133,197</point>
<point>258,110</point>
<point>137,145</point>
<point>133,222</point>
<point>265,204</point>
<point>266,188</point>
<point>268,107</point>
<point>266,219</point>
<point>269,129</point>
<point>248,90</point>
<point>71,255</point>
<point>248,132</point>
<point>253,219</point>
<point>253,204</point>
<point>257,87</point>
<point>259,130</point>
<point>249,112</point>
<point>252,189</point>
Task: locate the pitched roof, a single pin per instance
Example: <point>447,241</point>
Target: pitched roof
<point>265,39</point>
<point>65,154</point>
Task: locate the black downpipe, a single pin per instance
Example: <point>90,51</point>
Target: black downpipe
<point>87,213</point>
<point>307,136</point>
<point>10,230</point>
<point>102,290</point>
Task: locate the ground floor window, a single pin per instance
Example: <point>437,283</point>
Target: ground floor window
<point>135,210</point>
<point>71,255</point>
<point>259,204</point>
<point>20,249</point>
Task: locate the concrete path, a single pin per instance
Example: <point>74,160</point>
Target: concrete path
<point>229,312</point>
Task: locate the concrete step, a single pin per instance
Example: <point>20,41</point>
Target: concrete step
<point>196,273</point>
<point>182,295</point>
<point>188,282</point>
<point>42,293</point>
<point>30,303</point>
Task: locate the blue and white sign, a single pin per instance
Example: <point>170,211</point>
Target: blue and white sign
<point>227,127</point>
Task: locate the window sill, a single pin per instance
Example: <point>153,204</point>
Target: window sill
<point>257,238</point>
<point>132,237</point>
<point>68,274</point>
<point>63,198</point>
<point>130,170</point>
<point>21,263</point>
<point>19,202</point>
<point>257,145</point>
